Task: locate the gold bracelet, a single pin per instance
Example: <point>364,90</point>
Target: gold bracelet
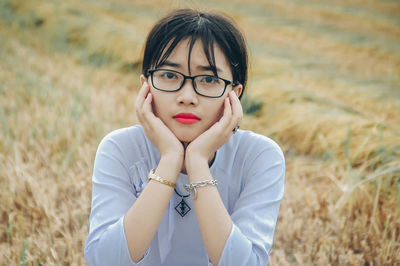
<point>155,177</point>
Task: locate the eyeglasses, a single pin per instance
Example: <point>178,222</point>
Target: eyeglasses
<point>205,85</point>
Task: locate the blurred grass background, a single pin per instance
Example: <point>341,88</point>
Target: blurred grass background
<point>324,83</point>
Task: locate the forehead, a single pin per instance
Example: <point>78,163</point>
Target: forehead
<point>192,57</point>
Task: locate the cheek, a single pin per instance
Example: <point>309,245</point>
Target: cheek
<point>156,102</point>
<point>219,112</point>
<point>154,106</point>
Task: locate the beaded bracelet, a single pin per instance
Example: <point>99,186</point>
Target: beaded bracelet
<point>192,186</point>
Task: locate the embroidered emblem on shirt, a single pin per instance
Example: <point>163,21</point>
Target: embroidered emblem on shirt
<point>182,208</point>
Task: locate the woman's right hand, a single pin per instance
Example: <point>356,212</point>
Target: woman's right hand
<point>159,134</point>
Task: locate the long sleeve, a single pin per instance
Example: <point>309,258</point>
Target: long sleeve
<point>250,169</point>
<point>112,196</point>
<point>255,212</point>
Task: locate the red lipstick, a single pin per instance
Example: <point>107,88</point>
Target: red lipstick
<point>186,118</point>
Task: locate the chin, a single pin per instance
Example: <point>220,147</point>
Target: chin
<point>187,134</point>
<point>186,137</point>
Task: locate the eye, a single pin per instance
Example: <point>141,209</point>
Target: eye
<point>168,75</point>
<point>209,79</point>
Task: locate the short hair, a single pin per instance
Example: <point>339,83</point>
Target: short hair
<point>210,28</point>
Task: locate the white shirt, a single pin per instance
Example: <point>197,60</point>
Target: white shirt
<point>250,169</point>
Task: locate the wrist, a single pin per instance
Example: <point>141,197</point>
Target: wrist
<point>193,158</point>
<point>196,164</point>
<point>170,164</point>
<point>173,152</point>
<point>173,157</point>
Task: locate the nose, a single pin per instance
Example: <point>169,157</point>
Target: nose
<point>187,95</point>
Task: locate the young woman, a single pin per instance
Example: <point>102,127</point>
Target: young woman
<point>186,187</point>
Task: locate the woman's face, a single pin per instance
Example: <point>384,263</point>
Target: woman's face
<point>174,107</point>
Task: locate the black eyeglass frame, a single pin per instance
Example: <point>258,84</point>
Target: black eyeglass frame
<point>151,71</point>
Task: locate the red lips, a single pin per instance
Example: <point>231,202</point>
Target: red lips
<point>186,118</point>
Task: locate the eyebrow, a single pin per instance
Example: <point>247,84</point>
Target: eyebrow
<point>209,68</point>
<point>169,63</point>
<point>176,65</point>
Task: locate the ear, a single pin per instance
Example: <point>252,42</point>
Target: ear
<point>238,89</point>
<point>142,79</point>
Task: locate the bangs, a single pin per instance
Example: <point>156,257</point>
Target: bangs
<point>202,34</point>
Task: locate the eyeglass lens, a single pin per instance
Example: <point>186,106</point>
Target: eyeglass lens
<point>206,85</point>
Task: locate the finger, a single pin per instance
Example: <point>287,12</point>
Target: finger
<point>237,110</point>
<point>227,110</point>
<point>224,124</point>
<point>145,112</point>
<point>234,118</point>
<point>236,105</point>
<point>231,119</point>
<point>147,108</point>
<point>141,98</point>
<point>144,90</point>
<point>149,118</point>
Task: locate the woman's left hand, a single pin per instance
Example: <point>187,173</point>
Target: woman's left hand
<point>200,150</point>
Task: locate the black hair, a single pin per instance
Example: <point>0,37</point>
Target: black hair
<point>210,28</point>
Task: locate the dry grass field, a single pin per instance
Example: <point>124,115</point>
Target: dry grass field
<point>324,83</point>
